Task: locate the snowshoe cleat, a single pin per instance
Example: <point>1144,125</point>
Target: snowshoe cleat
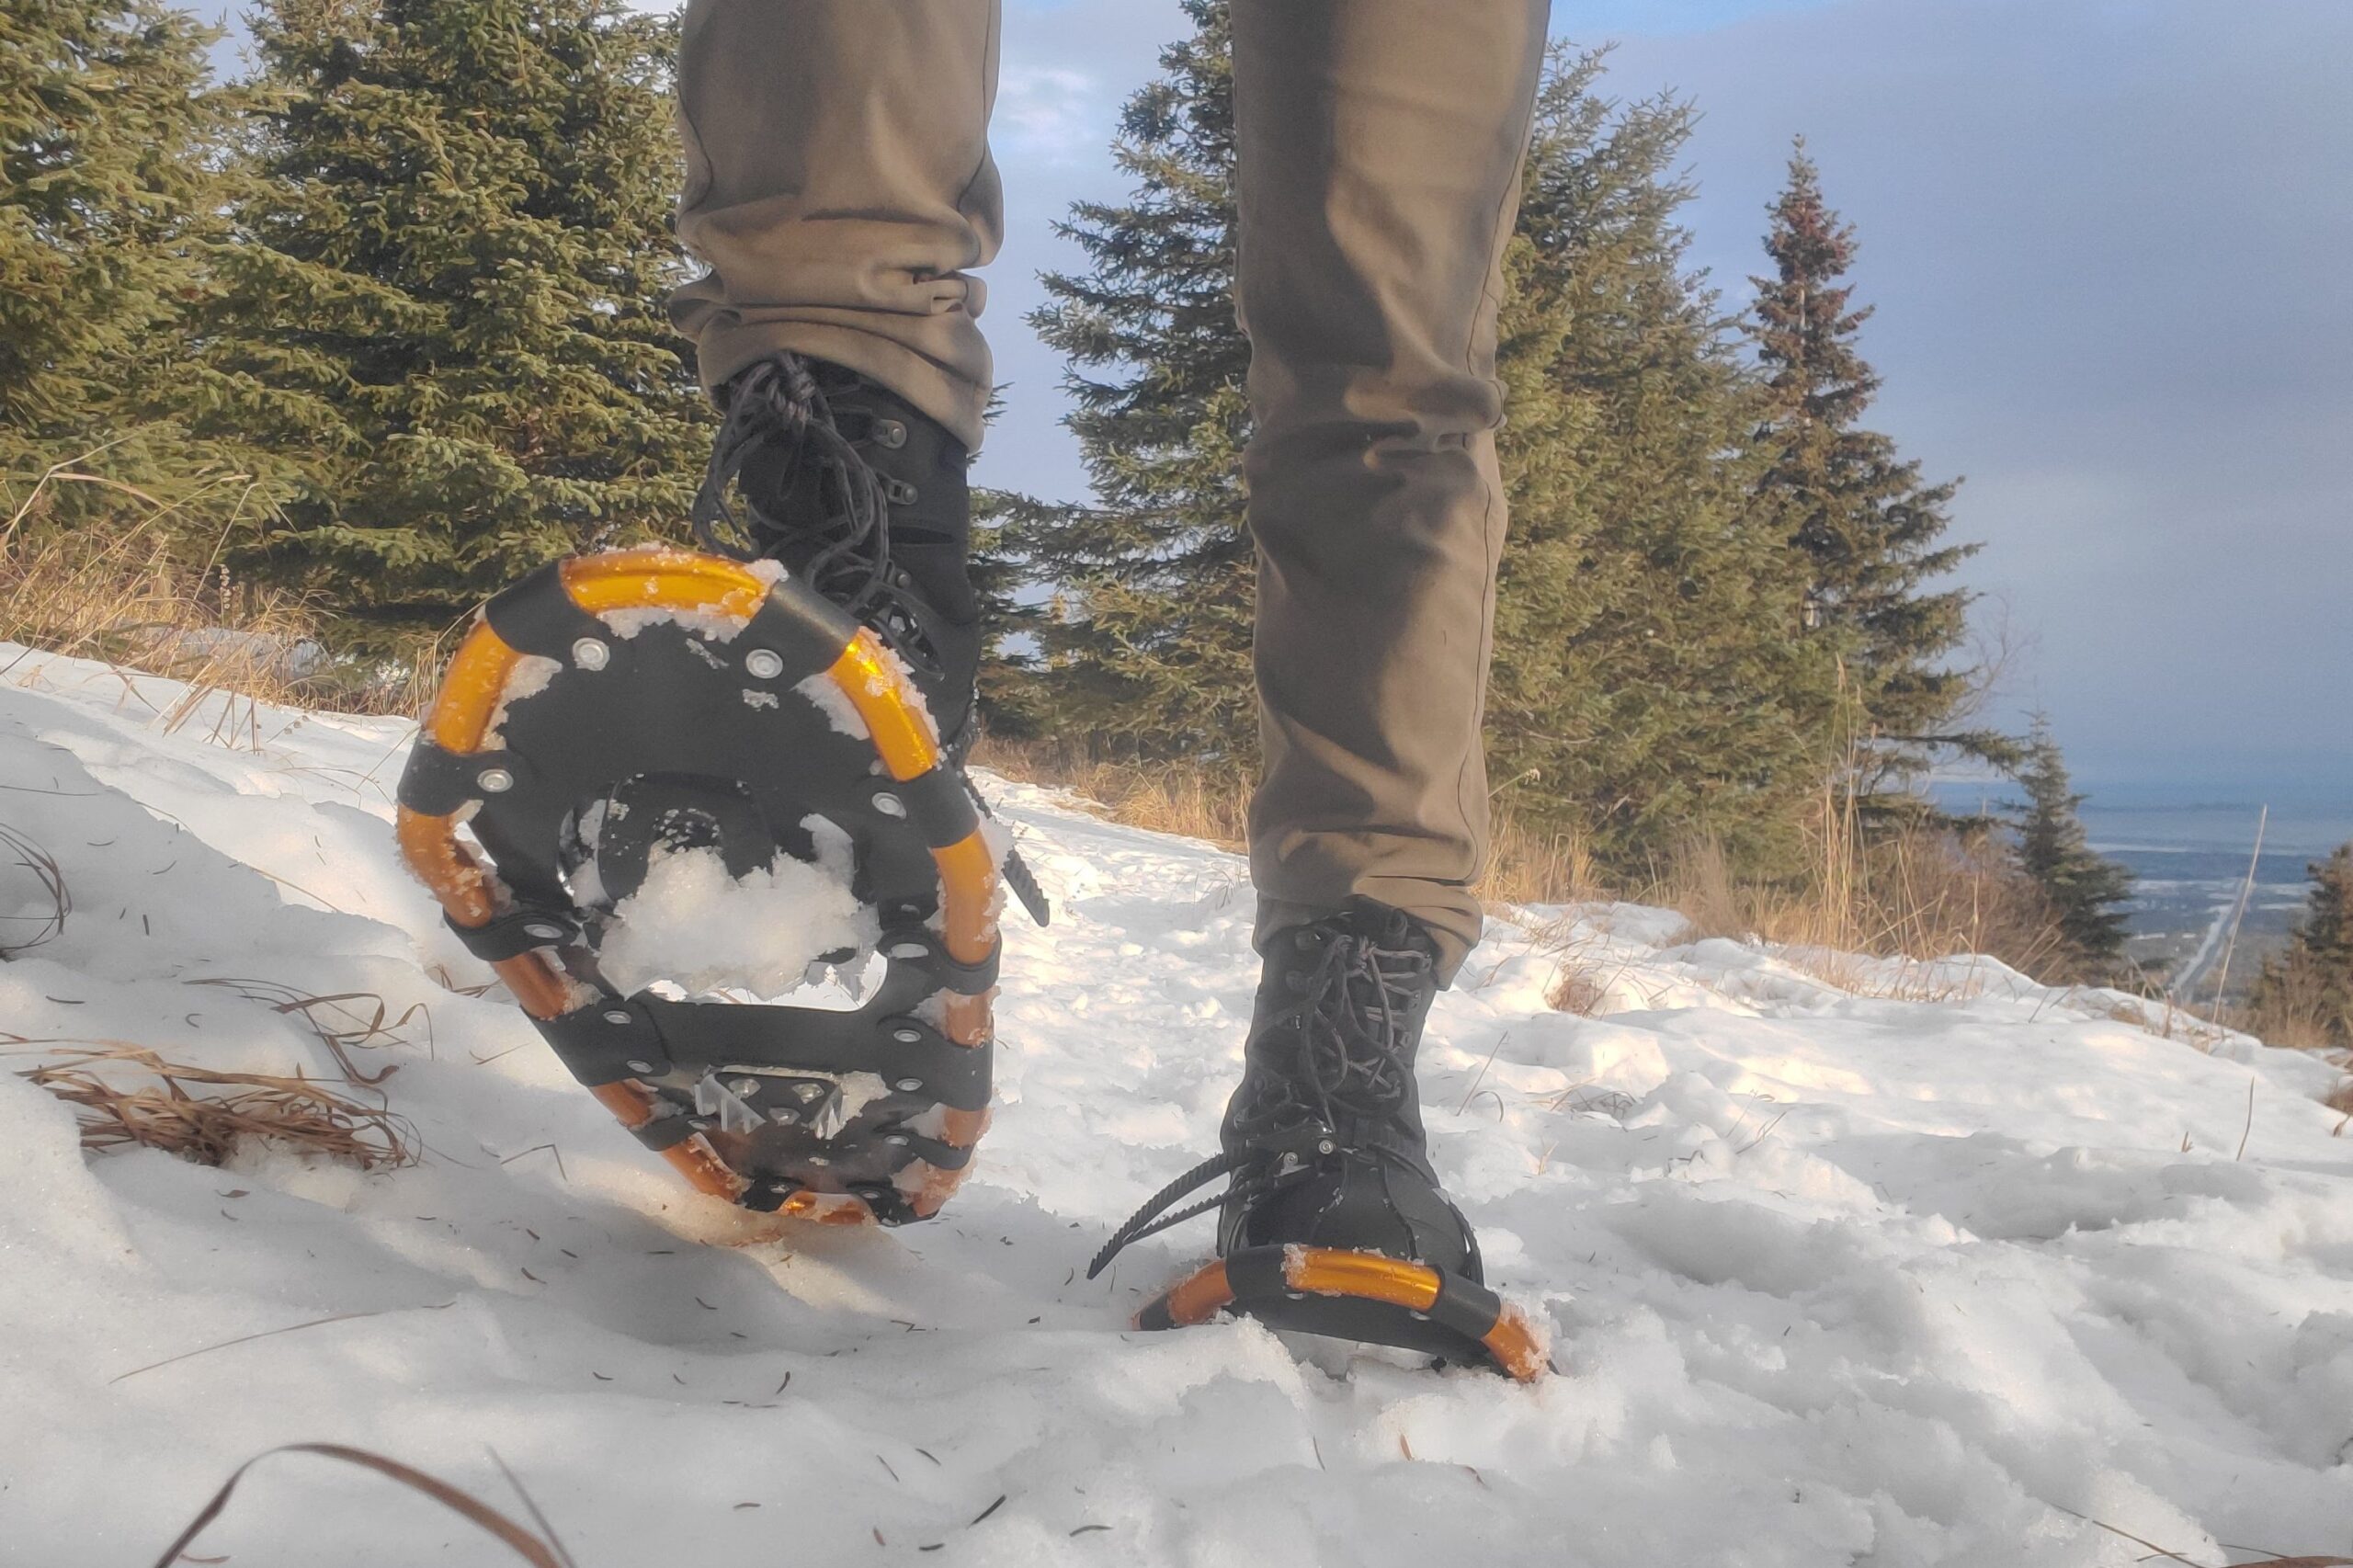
<point>624,732</point>
<point>1332,1221</point>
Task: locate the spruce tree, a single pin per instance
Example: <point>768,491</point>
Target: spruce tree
<point>1652,682</point>
<point>2304,995</point>
<point>2084,889</point>
<point>442,306</point>
<point>1147,642</point>
<point>1872,528</point>
<point>1651,679</point>
<point>109,136</point>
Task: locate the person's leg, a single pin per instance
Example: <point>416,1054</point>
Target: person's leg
<point>1379,143</point>
<point>838,186</point>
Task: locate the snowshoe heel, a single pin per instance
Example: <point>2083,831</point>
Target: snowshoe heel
<point>1362,1296</point>
<point>616,707</point>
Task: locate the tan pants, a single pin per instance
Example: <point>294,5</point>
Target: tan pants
<point>840,191</point>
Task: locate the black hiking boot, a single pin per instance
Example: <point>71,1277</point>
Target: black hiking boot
<point>1332,1221</point>
<point>865,499</point>
<point>803,694</point>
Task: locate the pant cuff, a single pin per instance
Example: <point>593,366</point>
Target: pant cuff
<point>1451,915</point>
<point>939,393</point>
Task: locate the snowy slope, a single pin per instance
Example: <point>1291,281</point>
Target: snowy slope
<point>1834,1279</point>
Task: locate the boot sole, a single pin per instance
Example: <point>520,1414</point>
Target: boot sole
<point>1362,1296</point>
<point>601,670</point>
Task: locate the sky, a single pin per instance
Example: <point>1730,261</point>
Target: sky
<point>2109,245</point>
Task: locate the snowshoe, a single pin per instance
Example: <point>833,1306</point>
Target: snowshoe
<point>1332,1221</point>
<point>632,739</point>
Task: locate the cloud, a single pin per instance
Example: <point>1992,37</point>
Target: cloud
<point>1049,114</point>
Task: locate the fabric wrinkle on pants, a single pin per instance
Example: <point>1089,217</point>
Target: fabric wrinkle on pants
<point>840,191</point>
<point>839,187</point>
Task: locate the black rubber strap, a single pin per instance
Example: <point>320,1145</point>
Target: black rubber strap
<point>1471,1311</point>
<point>665,1132</point>
<point>932,1152</point>
<point>964,979</point>
<point>1256,1274</point>
<point>436,782</point>
<point>607,1040</point>
<point>1024,884</point>
<point>804,630</point>
<point>939,805</point>
<point>537,615</point>
<point>513,934</point>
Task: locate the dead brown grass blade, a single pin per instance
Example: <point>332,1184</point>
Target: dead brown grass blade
<point>344,1022</point>
<point>531,1547</point>
<point>306,1114</point>
<point>266,1333</point>
<point>46,927</point>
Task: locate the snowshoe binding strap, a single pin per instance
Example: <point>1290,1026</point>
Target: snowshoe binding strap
<point>737,701</point>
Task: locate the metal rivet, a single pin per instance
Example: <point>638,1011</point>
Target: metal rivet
<point>1324,1148</point>
<point>890,805</point>
<point>908,1086</point>
<point>764,664</point>
<point>784,1113</point>
<point>496,780</point>
<point>543,931</point>
<point>910,950</point>
<point>890,433</point>
<point>746,1087</point>
<point>619,1016</point>
<point>809,1092</point>
<point>590,655</point>
<point>906,1036</point>
<point>896,1140</point>
<point>641,1066</point>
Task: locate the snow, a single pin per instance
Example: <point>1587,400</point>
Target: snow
<point>690,923</point>
<point>1846,1262</point>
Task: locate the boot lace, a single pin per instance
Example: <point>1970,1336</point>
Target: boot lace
<point>1336,1064</point>
<point>776,401</point>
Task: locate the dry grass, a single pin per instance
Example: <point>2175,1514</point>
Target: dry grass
<point>144,588</point>
<point>1526,865</point>
<point>1187,798</point>
<point>537,1547</point>
<point>1914,894</point>
<point>162,1110</point>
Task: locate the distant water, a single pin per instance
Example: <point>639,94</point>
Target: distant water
<point>2189,847</point>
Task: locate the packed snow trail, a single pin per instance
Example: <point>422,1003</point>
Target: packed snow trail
<point>1833,1279</point>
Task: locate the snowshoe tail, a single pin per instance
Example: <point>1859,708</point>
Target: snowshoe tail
<point>732,706</point>
<point>1362,1296</point>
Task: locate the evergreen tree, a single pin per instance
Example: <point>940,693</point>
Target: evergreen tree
<point>442,306</point>
<point>2084,889</point>
<point>1652,671</point>
<point>1872,528</point>
<point>2304,995</point>
<point>1147,640</point>
<point>109,132</point>
<point>1652,677</point>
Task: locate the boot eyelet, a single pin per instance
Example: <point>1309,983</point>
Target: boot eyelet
<point>898,493</point>
<point>891,434</point>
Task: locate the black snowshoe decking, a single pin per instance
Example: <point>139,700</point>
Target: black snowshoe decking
<point>720,742</point>
<point>1363,1296</point>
